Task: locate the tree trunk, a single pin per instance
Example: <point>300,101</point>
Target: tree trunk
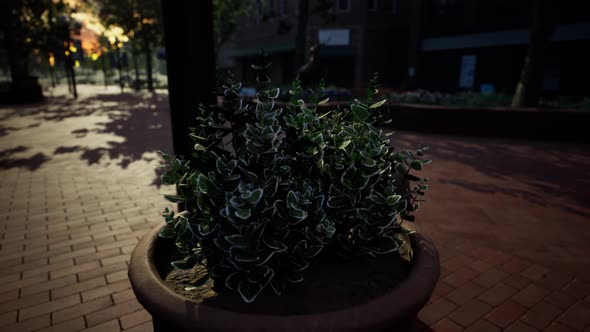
<point>70,66</point>
<point>67,72</point>
<point>104,69</point>
<point>10,26</point>
<point>51,74</point>
<point>301,37</point>
<point>190,66</point>
<point>528,90</point>
<point>148,65</point>
<point>120,68</point>
<point>135,68</point>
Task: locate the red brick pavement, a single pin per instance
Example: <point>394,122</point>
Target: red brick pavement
<point>78,190</point>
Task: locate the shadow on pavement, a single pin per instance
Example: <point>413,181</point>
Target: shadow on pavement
<point>542,173</point>
<point>112,128</point>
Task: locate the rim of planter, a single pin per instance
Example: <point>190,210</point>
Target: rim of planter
<point>402,302</point>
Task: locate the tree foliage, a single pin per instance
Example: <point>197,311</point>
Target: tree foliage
<point>30,25</point>
<point>226,17</point>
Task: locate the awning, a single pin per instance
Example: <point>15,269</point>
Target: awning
<point>564,32</point>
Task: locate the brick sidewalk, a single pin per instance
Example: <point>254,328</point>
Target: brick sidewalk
<point>78,189</point>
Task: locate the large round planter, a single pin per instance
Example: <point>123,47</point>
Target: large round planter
<point>393,311</point>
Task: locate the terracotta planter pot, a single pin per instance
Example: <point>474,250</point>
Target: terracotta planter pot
<point>172,312</point>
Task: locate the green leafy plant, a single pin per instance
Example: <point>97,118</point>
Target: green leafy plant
<point>269,187</point>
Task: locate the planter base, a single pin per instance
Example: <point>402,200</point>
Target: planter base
<point>393,311</point>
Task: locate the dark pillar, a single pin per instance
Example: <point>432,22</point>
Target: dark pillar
<point>188,37</point>
<point>301,36</point>
<point>414,39</point>
<point>530,86</point>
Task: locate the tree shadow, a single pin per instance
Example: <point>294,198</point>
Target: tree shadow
<point>114,127</point>
<point>31,163</point>
<point>553,172</point>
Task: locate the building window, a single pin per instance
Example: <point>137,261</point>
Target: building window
<point>343,5</point>
<point>394,6</point>
<point>282,7</point>
<point>373,5</point>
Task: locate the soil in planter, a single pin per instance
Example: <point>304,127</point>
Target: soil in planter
<point>330,284</point>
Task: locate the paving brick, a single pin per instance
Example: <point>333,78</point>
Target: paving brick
<point>577,289</point>
<point>436,311</point>
<point>497,258</point>
<point>483,326</point>
<point>73,325</point>
<point>74,269</point>
<point>446,325</point>
<point>123,296</point>
<point>82,309</point>
<point>24,302</point>
<point>48,285</point>
<point>560,299</point>
<point>441,289</point>
<point>117,276</point>
<point>555,280</point>
<point>457,262</point>
<point>517,281</point>
<point>490,277</point>
<point>519,326</point>
<point>97,256</point>
<point>48,307</point>
<point>145,327</point>
<point>8,318</point>
<point>32,255</point>
<point>506,313</point>
<point>470,312</point>
<point>135,318</point>
<point>23,283</point>
<point>557,327</point>
<point>110,326</point>
<point>515,265</point>
<point>497,294</point>
<point>10,295</point>
<point>106,290</point>
<point>465,293</point>
<point>531,295</point>
<point>480,266</point>
<point>72,242</point>
<point>116,244</point>
<point>115,259</point>
<point>128,249</point>
<point>535,272</point>
<point>460,276</point>
<point>29,324</point>
<point>78,287</point>
<point>577,317</point>
<point>115,311</point>
<point>9,277</point>
<point>43,269</point>
<point>541,315</point>
<point>71,254</point>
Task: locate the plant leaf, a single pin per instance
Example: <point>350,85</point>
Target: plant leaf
<point>378,104</point>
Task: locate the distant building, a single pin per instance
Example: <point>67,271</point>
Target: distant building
<point>445,45</point>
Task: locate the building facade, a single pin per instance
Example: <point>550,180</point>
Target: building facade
<point>445,45</point>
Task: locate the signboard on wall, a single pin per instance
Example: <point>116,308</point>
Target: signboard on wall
<point>467,73</point>
<point>334,37</point>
